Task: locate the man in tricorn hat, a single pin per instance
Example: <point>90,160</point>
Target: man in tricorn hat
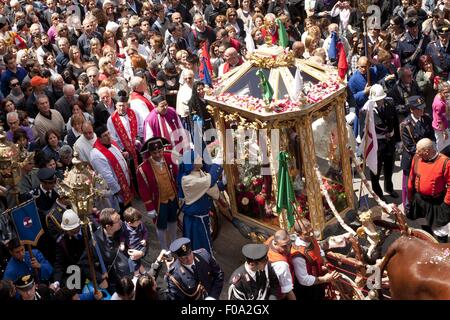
<point>255,279</point>
<point>439,50</point>
<point>156,178</point>
<point>416,126</point>
<point>194,275</point>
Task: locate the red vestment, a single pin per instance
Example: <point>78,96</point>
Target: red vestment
<point>129,144</point>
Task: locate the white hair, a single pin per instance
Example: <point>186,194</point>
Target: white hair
<point>135,82</point>
<point>12,114</point>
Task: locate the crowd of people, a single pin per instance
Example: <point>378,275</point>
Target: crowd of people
<point>114,80</point>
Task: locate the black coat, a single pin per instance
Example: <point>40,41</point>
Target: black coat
<point>207,272</point>
<point>243,287</point>
<point>411,133</point>
<point>68,252</point>
<point>101,115</point>
<point>400,95</point>
<point>116,262</point>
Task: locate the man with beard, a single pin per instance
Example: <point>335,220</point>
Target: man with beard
<point>115,261</point>
<point>85,142</point>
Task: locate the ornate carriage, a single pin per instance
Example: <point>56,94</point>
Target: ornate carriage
<point>306,118</point>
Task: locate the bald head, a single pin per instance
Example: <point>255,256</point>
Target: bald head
<point>426,149</point>
<point>363,64</point>
<point>424,144</point>
<point>231,56</point>
<point>88,130</point>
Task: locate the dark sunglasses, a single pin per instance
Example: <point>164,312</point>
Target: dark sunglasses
<point>16,84</point>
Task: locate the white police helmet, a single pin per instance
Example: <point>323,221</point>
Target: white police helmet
<point>377,93</point>
<point>70,220</point>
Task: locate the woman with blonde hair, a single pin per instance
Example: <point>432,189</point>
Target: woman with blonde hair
<point>96,50</point>
<point>237,23</point>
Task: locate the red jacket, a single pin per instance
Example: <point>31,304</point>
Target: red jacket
<point>148,186</point>
<point>430,178</point>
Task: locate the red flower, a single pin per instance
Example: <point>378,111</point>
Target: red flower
<point>260,199</point>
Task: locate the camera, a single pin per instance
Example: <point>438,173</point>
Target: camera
<point>167,256</point>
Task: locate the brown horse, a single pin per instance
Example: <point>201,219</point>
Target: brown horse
<point>418,270</point>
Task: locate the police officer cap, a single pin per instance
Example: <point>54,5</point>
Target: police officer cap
<point>255,251</point>
<point>181,247</point>
<point>416,102</point>
<point>411,21</point>
<point>154,143</point>
<point>47,174</point>
<point>443,30</point>
<point>24,282</point>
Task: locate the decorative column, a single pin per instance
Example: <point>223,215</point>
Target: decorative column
<point>315,204</point>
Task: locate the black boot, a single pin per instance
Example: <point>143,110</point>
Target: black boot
<point>443,239</point>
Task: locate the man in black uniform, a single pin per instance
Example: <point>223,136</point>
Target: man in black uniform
<point>388,134</point>
<point>255,279</point>
<point>417,125</point>
<point>29,290</point>
<point>45,196</point>
<point>54,217</point>
<point>194,275</point>
<point>412,45</point>
<point>69,246</point>
<point>439,50</point>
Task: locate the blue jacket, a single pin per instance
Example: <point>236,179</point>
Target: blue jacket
<point>357,83</point>
<point>6,77</point>
<point>16,268</point>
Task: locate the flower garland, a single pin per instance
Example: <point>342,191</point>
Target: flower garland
<point>321,90</point>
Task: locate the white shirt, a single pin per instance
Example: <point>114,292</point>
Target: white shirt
<point>183,97</point>
<point>112,130</point>
<point>301,272</point>
<point>141,110</point>
<point>101,164</point>
<point>284,276</point>
<point>84,146</point>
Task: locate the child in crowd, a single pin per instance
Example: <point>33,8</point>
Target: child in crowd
<point>134,238</point>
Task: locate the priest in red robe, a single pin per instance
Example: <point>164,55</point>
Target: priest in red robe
<point>107,159</point>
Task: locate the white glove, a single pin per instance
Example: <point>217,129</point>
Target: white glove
<point>152,214</point>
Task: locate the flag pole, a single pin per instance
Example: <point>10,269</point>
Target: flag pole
<point>36,271</point>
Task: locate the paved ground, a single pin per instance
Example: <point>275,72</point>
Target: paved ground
<point>229,242</point>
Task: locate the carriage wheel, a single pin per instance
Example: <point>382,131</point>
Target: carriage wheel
<point>344,289</point>
<point>422,234</point>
